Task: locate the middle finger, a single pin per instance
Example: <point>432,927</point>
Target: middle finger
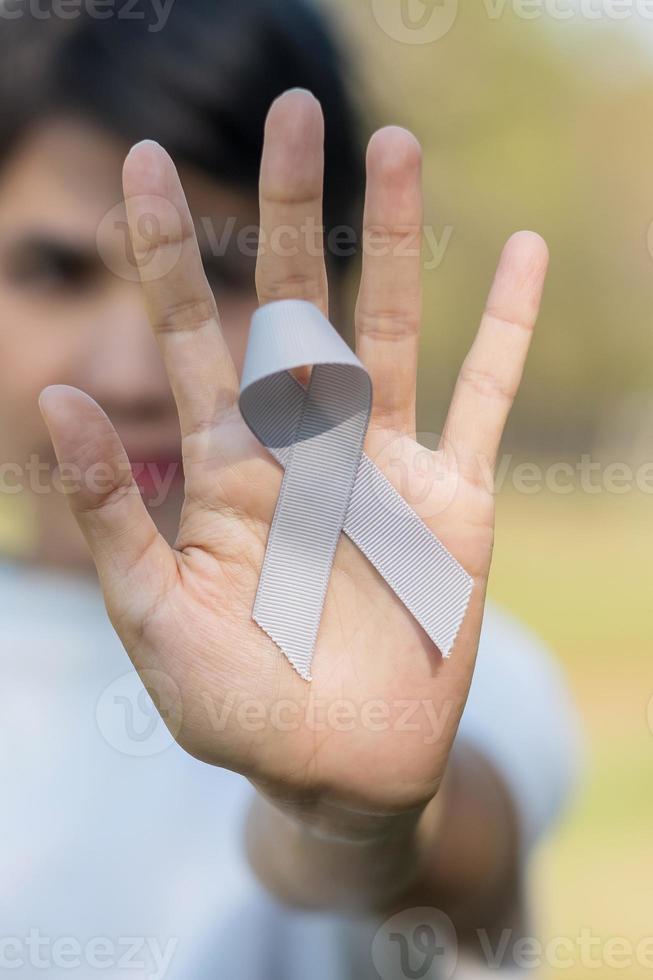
<point>290,262</point>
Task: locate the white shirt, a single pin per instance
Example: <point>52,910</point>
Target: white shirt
<point>121,856</point>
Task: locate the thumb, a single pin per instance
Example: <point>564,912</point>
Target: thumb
<point>132,559</point>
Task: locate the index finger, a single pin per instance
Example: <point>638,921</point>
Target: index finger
<point>290,261</point>
<point>180,303</point>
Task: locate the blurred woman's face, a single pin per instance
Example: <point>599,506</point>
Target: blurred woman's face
<point>71,312</point>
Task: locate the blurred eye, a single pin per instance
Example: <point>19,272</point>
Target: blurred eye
<point>49,266</point>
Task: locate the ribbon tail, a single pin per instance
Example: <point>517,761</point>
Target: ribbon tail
<point>311,510</point>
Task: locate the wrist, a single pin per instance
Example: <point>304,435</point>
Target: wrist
<point>333,821</point>
<point>317,854</point>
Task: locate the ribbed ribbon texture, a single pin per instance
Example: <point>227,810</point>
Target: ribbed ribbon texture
<point>330,486</point>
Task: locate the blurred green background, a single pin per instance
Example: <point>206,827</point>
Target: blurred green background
<point>548,124</point>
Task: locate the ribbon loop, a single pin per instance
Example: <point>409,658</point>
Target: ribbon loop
<point>329,486</point>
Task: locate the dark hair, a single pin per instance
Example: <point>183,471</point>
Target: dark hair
<point>201,84</point>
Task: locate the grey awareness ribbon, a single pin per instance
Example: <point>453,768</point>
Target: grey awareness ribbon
<point>330,486</point>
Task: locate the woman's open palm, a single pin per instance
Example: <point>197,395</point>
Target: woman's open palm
<point>374,728</point>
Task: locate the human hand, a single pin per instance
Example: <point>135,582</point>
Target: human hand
<point>185,611</point>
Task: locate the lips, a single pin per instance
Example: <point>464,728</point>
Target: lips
<point>156,477</point>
